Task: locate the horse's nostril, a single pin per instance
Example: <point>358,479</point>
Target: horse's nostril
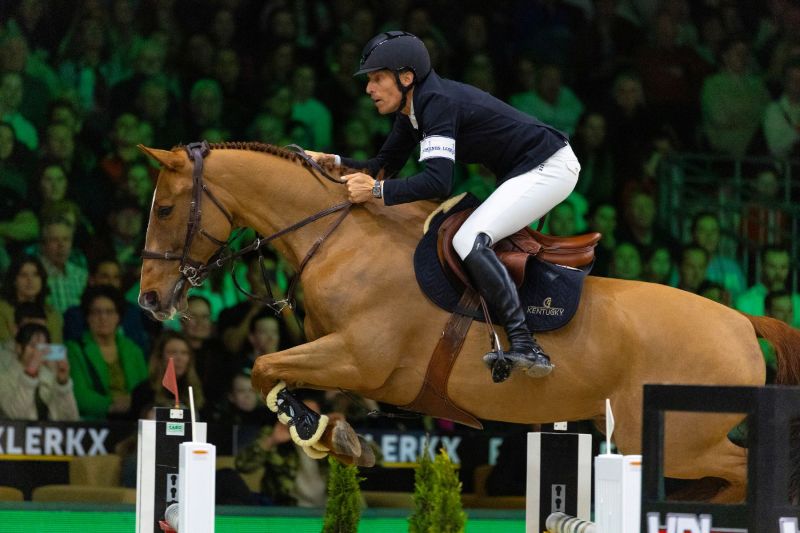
<point>149,300</point>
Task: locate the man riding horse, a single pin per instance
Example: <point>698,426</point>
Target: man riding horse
<point>534,164</point>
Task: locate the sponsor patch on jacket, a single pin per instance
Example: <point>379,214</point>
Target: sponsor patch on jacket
<point>437,146</point>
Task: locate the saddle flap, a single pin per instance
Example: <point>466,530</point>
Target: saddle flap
<point>515,250</point>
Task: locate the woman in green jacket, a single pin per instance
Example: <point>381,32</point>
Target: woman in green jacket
<point>105,364</point>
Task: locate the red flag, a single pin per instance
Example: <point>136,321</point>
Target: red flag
<point>170,382</point>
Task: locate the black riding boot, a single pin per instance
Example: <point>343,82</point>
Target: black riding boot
<point>495,285</point>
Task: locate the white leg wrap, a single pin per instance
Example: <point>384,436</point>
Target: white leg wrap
<point>272,398</point>
<point>314,453</point>
<point>323,423</point>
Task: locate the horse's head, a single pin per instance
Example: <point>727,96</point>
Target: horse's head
<point>185,231</point>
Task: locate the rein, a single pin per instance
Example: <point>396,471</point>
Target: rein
<point>196,272</point>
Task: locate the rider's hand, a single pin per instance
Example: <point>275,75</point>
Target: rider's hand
<point>359,187</point>
<point>321,157</point>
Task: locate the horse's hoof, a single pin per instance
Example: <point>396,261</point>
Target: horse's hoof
<point>345,441</point>
<point>367,457</point>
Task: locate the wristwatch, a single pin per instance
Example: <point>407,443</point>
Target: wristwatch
<point>377,189</point>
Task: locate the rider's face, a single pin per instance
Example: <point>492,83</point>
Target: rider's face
<point>383,90</point>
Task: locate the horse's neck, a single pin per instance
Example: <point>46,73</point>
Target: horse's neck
<point>269,193</point>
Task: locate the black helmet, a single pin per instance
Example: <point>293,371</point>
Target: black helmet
<point>395,51</point>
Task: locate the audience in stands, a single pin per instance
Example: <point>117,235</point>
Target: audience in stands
<point>35,382</point>
<point>105,364</point>
<point>26,283</point>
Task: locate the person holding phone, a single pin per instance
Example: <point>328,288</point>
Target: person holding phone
<point>35,384</point>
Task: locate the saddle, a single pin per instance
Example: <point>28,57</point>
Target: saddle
<point>548,271</point>
<point>515,250</point>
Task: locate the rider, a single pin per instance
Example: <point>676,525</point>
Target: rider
<point>534,164</point>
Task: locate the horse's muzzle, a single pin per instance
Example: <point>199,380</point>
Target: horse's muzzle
<point>149,301</point>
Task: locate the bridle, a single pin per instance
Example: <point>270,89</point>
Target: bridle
<point>195,272</point>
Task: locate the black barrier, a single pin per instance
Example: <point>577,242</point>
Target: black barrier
<point>770,410</point>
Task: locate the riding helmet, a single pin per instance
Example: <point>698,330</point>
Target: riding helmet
<point>396,51</point>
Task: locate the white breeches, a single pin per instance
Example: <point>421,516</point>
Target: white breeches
<point>520,200</point>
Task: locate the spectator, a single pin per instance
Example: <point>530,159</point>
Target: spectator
<point>234,322</point>
<point>626,262</point>
<point>631,126</point>
<point>733,102</point>
<point>66,275</point>
<point>671,76</point>
<point>206,108</point>
<point>290,476</point>
<point>551,101</point>
<point>598,178</point>
<point>723,270</point>
<point>775,267</point>
<point>716,292</point>
<point>13,162</point>
<point>211,358</point>
<point>692,268</point>
<point>153,103</point>
<point>561,220</point>
<point>125,135</point>
<point>782,117</point>
<point>32,387</point>
<point>106,365</point>
<point>603,219</point>
<point>242,405</point>
<point>309,111</point>
<point>640,228</point>
<point>106,271</point>
<point>264,337</point>
<point>11,94</point>
<point>26,282</point>
<point>659,266</point>
<point>18,222</point>
<point>124,238</point>
<point>780,305</point>
<point>169,345</point>
<point>764,223</point>
<point>83,66</point>
<point>606,42</point>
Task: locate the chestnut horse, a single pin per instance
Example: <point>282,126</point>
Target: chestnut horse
<point>372,331</point>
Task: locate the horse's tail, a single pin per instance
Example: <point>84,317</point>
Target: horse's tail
<point>786,341</point>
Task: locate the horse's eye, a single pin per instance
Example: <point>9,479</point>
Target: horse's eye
<point>163,212</point>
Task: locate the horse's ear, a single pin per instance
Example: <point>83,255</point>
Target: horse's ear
<point>171,160</point>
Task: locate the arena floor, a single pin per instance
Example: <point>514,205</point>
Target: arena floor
<point>29,517</point>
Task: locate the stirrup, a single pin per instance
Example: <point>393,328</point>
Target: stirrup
<point>499,364</point>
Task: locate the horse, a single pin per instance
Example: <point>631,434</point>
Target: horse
<point>371,330</point>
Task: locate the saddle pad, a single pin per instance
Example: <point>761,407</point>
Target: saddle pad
<point>549,295</point>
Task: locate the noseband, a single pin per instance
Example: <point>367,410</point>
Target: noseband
<point>196,272</point>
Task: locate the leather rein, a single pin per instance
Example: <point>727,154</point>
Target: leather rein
<point>195,272</point>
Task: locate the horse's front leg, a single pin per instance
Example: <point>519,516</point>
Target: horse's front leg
<point>321,363</point>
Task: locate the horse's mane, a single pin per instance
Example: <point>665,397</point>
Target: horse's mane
<point>254,146</point>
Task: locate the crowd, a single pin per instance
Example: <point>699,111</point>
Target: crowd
<point>82,83</point>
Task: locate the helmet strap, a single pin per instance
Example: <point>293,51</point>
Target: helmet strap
<point>403,89</point>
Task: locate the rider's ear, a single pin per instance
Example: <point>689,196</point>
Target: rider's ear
<point>171,160</point>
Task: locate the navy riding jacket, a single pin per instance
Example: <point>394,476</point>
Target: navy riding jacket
<point>458,122</point>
